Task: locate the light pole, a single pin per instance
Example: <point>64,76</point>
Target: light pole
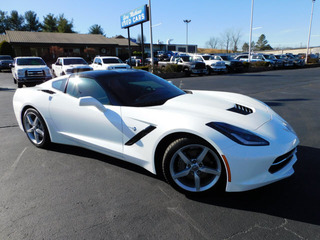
<point>187,21</point>
<point>151,40</point>
<point>250,38</point>
<point>310,31</point>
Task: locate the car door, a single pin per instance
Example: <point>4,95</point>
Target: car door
<point>88,126</point>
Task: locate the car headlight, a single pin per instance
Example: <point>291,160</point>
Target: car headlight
<point>47,72</point>
<point>239,135</point>
<point>21,73</point>
<point>213,64</point>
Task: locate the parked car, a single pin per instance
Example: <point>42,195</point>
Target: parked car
<point>269,59</point>
<point>242,57</point>
<point>6,62</point>
<point>135,61</point>
<point>200,140</point>
<point>287,62</point>
<point>68,65</point>
<point>30,71</point>
<point>108,63</point>
<point>186,64</point>
<point>298,61</point>
<point>233,65</point>
<point>213,63</point>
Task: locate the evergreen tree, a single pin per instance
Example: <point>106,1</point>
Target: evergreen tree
<point>245,47</point>
<point>32,22</point>
<point>63,25</point>
<point>3,22</point>
<point>262,43</point>
<point>15,21</point>
<point>96,29</point>
<point>50,23</point>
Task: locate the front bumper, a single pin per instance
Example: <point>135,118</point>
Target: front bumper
<point>33,80</point>
<point>199,71</point>
<point>219,69</point>
<point>253,167</point>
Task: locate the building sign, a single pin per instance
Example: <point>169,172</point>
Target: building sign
<point>134,17</point>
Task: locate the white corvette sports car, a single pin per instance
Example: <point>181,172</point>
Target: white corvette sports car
<point>198,140</point>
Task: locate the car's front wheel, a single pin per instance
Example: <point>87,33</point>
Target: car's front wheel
<point>35,128</point>
<point>192,166</point>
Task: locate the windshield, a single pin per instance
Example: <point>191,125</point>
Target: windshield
<point>256,57</point>
<point>139,89</point>
<point>30,61</point>
<point>226,57</point>
<point>185,58</point>
<point>5,58</point>
<point>111,60</point>
<point>71,61</point>
<point>206,57</point>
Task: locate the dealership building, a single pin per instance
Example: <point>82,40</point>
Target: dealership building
<point>50,45</point>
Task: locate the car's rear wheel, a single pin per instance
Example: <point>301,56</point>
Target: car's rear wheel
<point>192,166</point>
<point>36,128</point>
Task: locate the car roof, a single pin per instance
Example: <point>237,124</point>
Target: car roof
<point>106,73</point>
<point>71,57</point>
<point>108,57</point>
<point>28,57</point>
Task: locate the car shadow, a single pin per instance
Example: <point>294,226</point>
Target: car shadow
<point>296,198</point>
<point>82,152</point>
<point>255,75</point>
<point>7,89</point>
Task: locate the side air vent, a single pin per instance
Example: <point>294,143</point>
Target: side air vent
<point>241,109</point>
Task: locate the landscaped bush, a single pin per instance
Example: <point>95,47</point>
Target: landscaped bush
<point>6,49</point>
<point>145,68</point>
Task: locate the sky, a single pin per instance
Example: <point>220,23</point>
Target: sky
<point>284,22</point>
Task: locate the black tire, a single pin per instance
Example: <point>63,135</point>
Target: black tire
<point>15,81</point>
<point>53,74</point>
<point>35,128</point>
<point>20,85</point>
<point>191,166</point>
<point>209,70</point>
<point>187,72</point>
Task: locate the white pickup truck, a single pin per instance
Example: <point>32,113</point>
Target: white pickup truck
<point>213,63</point>
<point>30,71</point>
<point>108,63</point>
<point>68,65</point>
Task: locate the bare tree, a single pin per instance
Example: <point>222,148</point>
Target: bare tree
<point>212,43</point>
<point>227,38</point>
<point>236,35</point>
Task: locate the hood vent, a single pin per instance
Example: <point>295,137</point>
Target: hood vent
<point>241,109</point>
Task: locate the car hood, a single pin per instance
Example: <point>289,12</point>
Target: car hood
<point>39,67</point>
<point>116,65</point>
<point>232,108</point>
<point>77,66</point>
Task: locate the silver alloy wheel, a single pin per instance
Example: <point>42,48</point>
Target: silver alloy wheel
<point>34,127</point>
<point>195,168</point>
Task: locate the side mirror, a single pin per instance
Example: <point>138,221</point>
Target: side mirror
<point>90,101</point>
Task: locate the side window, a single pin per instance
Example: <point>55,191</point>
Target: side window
<point>60,84</point>
<point>83,87</point>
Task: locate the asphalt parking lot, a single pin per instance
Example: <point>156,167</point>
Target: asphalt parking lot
<point>72,193</point>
